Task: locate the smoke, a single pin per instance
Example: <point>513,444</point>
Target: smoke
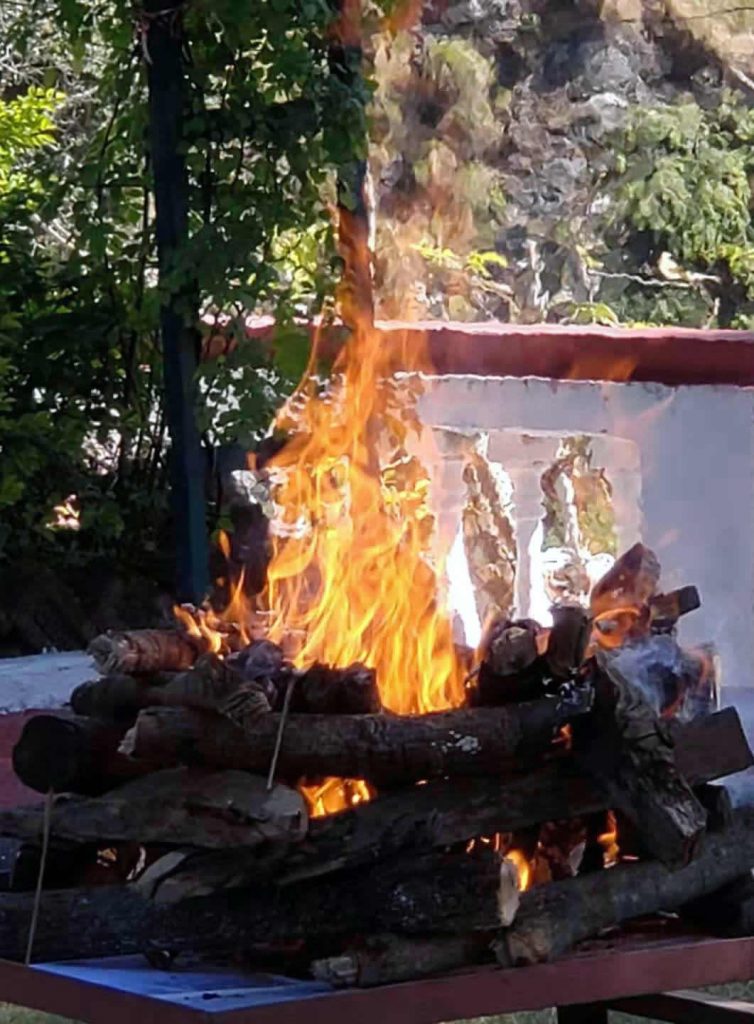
<point>741,786</point>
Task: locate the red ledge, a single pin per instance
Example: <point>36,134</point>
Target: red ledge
<point>666,355</point>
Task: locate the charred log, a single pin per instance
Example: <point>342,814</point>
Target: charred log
<point>72,755</point>
<point>445,812</point>
<point>627,747</point>
<point>146,650</point>
<point>179,807</point>
<point>630,583</point>
<point>410,820</point>
<point>386,959</point>
<point>666,609</point>
<point>382,749</point>
<point>553,918</point>
<point>567,642</point>
<point>511,669</point>
<point>438,894</point>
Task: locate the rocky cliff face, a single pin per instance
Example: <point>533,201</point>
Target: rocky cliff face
<point>499,135</point>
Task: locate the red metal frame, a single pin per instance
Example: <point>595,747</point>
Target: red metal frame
<point>604,973</point>
<point>667,355</point>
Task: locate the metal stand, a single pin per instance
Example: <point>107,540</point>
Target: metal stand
<point>676,1007</point>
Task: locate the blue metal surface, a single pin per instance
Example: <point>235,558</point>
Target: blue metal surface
<point>213,991</point>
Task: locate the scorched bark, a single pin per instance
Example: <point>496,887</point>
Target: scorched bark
<point>383,749</point>
<point>553,918</point>
<point>442,894</point>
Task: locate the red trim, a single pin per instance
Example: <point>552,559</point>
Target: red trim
<point>672,355</point>
<point>631,968</point>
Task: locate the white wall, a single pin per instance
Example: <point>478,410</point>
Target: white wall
<point>696,458</point>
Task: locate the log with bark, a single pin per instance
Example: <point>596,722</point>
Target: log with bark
<point>511,668</point>
<point>382,749</point>
<point>119,697</point>
<point>567,642</point>
<point>666,609</point>
<point>178,806</point>
<point>146,650</point>
<point>414,819</point>
<point>70,754</point>
<point>628,749</point>
<point>728,912</point>
<point>553,918</point>
<point>631,582</point>
<point>444,812</point>
<point>439,894</point>
<point>387,959</point>
<point>230,687</point>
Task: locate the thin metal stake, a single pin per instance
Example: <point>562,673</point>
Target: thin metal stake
<point>46,829</point>
<point>281,730</point>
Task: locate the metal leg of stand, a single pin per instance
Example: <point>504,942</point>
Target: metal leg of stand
<point>583,1013</point>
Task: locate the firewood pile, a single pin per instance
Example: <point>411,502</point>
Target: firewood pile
<point>572,793</point>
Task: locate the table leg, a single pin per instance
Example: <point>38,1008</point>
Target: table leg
<point>583,1013</point>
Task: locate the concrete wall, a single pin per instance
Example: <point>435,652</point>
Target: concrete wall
<point>695,467</point>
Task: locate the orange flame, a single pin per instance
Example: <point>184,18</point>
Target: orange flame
<point>351,571</point>
<point>609,841</point>
<point>523,868</point>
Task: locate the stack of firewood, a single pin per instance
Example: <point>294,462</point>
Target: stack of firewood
<point>180,823</point>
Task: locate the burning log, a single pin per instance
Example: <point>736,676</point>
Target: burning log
<point>666,609</point>
<point>567,642</point>
<point>676,682</point>
<point>553,918</point>
<point>630,583</point>
<point>511,667</point>
<point>448,811</point>
<point>444,894</point>
<point>120,697</point>
<point>386,959</point>
<point>72,755</point>
<point>411,820</point>
<point>146,650</point>
<point>234,687</point>
<point>382,749</point>
<point>627,748</point>
<point>322,690</point>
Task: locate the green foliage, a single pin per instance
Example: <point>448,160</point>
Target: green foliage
<point>268,123</point>
<point>682,176</point>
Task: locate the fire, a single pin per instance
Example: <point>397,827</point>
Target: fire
<point>613,627</point>
<point>351,573</point>
<point>523,868</point>
<point>333,794</point>
<point>609,841</point>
